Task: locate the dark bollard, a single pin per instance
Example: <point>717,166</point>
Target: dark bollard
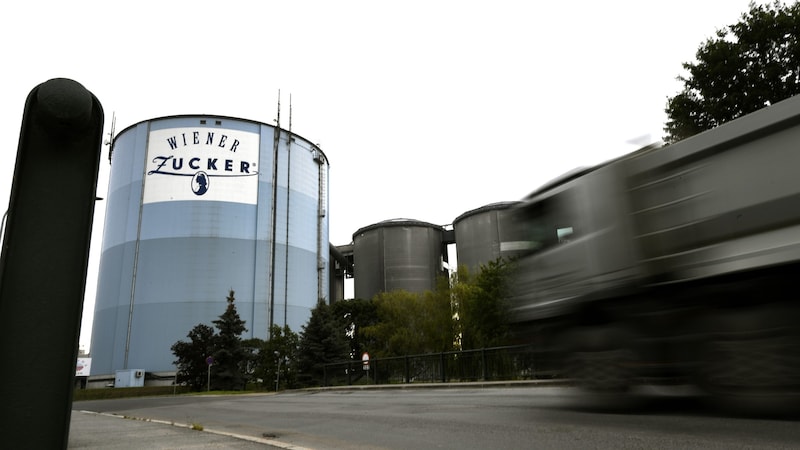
<point>44,260</point>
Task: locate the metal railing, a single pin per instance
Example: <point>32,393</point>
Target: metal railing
<point>486,364</point>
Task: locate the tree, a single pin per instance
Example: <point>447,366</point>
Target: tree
<point>191,357</point>
<point>228,371</point>
<point>411,323</point>
<point>276,360</point>
<point>322,341</point>
<point>745,67</point>
<point>352,316</point>
<point>482,305</point>
<point>230,356</point>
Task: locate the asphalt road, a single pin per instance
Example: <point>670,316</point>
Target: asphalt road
<point>458,418</point>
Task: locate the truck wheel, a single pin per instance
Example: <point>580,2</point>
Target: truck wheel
<point>602,371</point>
<point>600,361</point>
<point>751,362</point>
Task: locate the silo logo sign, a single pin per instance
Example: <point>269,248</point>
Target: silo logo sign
<point>200,183</point>
<point>209,164</point>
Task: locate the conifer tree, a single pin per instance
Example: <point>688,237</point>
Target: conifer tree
<point>226,349</point>
<point>322,341</point>
<point>230,356</point>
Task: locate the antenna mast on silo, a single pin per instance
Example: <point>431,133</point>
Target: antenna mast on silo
<point>288,214</point>
<point>274,215</point>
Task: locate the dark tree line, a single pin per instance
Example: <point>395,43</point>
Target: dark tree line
<point>463,312</point>
<point>221,347</point>
<point>235,362</point>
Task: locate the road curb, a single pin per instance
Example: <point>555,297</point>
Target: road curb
<point>242,437</point>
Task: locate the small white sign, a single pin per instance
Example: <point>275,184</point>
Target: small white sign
<point>210,164</point>
<point>84,367</point>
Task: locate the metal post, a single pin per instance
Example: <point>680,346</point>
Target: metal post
<point>441,363</point>
<point>349,373</point>
<point>209,363</point>
<point>45,257</point>
<point>278,372</point>
<point>483,363</point>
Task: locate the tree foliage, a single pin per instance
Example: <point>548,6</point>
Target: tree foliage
<point>228,371</point>
<point>191,356</point>
<point>744,67</point>
<point>274,362</point>
<point>411,323</point>
<point>482,305</point>
<point>322,341</point>
<point>353,316</point>
<point>400,323</point>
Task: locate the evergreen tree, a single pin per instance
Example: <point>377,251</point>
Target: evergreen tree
<point>322,341</point>
<point>230,355</point>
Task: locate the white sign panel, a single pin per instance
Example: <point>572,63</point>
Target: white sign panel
<point>210,164</point>
<point>84,367</point>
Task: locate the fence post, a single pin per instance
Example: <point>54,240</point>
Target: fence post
<point>349,373</point>
<point>483,363</point>
<point>444,369</point>
<point>408,371</point>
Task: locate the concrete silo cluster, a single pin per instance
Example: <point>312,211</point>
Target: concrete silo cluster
<point>411,254</point>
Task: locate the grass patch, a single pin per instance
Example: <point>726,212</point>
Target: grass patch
<point>146,391</point>
<point>109,393</point>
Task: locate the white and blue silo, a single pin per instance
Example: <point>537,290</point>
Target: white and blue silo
<point>198,205</point>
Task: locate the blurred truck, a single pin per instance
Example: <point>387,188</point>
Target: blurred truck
<point>673,264</point>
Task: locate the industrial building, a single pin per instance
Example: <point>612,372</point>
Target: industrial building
<point>197,206</point>
<point>411,254</point>
<point>486,234</point>
<point>398,254</point>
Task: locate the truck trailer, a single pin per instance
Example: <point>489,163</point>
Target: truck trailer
<point>674,264</point>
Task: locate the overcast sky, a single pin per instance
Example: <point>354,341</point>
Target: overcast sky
<point>425,109</point>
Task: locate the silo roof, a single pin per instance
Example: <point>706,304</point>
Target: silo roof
<point>213,116</point>
<point>397,223</point>
<point>486,208</point>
